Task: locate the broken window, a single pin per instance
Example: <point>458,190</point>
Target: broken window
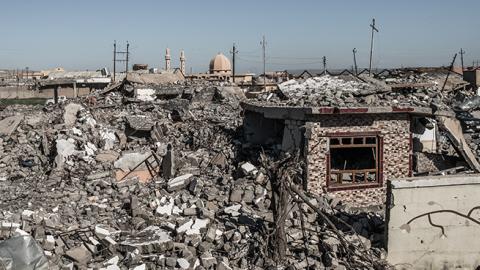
<point>354,161</point>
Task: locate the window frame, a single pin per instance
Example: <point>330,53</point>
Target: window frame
<point>379,162</point>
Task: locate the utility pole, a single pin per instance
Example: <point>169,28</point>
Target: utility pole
<point>264,43</point>
<point>449,70</point>
<point>355,60</point>
<point>324,65</point>
<point>126,62</point>
<point>462,52</point>
<point>374,29</point>
<point>233,52</point>
<point>114,58</point>
<point>27,72</point>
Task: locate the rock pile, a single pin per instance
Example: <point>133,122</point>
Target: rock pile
<point>98,188</point>
<point>418,90</point>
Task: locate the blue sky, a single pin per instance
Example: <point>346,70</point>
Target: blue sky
<point>79,34</point>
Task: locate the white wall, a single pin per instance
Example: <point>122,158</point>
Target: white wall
<point>414,243</point>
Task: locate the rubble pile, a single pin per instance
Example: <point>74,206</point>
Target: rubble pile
<point>362,91</point>
<point>151,185</point>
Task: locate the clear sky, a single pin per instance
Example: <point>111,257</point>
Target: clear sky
<point>79,34</point>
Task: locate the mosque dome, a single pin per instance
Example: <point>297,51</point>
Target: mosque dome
<point>220,64</point>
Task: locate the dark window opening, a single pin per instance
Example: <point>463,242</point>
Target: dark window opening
<point>353,162</point>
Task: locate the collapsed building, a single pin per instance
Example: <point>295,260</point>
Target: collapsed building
<point>357,133</point>
<point>158,172</point>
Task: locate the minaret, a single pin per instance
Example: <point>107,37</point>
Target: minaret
<point>182,62</point>
<point>167,59</point>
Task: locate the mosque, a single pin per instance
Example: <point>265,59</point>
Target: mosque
<point>219,69</point>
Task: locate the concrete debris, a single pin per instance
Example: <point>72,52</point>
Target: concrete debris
<point>178,182</point>
<point>70,115</point>
<point>80,255</point>
<point>248,168</point>
<point>197,202</point>
<point>145,94</point>
<point>351,91</point>
<point>9,124</point>
<point>65,149</point>
<point>130,161</point>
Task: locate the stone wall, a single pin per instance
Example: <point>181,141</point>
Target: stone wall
<point>393,128</point>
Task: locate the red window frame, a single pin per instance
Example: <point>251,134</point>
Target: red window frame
<point>379,166</point>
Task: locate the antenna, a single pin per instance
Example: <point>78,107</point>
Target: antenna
<point>115,58</point>
<point>374,29</point>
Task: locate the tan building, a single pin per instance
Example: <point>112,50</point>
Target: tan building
<point>220,65</point>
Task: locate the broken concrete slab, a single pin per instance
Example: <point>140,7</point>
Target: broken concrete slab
<point>129,161</point>
<point>80,255</point>
<point>9,124</point>
<point>183,263</point>
<point>106,156</point>
<point>166,208</point>
<point>454,132</point>
<point>70,115</point>
<point>65,148</point>
<point>179,182</point>
<point>248,168</point>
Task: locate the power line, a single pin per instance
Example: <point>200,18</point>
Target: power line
<point>281,57</point>
<point>277,63</point>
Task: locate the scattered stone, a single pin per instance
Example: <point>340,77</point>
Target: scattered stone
<point>79,254</point>
<point>178,182</point>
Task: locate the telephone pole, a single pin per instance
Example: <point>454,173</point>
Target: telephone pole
<point>374,29</point>
<point>449,71</point>
<point>114,58</point>
<point>233,52</point>
<point>324,59</point>
<point>264,43</point>
<point>126,61</point>
<point>462,52</point>
<point>355,60</point>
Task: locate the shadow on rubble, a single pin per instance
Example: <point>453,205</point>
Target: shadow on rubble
<point>368,223</point>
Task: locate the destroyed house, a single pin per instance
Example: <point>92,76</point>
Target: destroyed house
<point>348,152</point>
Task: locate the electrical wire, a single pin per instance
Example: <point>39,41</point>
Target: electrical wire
<point>279,63</point>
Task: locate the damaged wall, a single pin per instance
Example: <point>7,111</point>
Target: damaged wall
<point>259,130</point>
<point>23,92</point>
<point>393,128</point>
<point>433,222</point>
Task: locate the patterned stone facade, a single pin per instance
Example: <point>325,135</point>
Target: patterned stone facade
<point>393,128</point>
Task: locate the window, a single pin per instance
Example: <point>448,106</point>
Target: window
<point>354,161</point>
